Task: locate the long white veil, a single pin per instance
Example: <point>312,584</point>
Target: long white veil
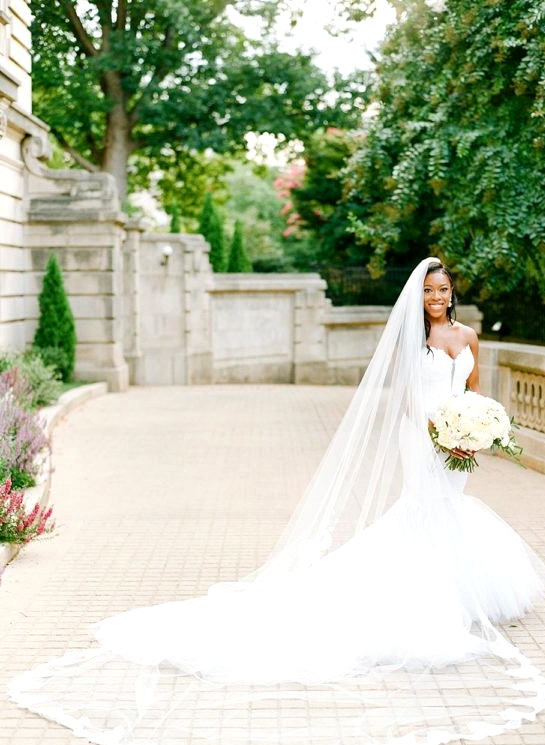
<point>338,639</point>
<point>361,474</point>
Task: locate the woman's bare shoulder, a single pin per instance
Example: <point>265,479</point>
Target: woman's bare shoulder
<point>468,334</point>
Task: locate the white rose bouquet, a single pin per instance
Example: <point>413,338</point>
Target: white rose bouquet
<point>472,422</point>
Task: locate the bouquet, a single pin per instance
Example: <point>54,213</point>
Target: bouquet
<point>472,422</point>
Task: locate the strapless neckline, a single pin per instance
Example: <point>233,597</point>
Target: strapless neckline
<point>440,349</point>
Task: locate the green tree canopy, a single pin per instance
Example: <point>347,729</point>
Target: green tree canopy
<point>117,79</point>
<point>453,161</point>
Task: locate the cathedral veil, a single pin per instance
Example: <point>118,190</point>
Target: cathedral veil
<point>361,474</point>
<point>274,657</point>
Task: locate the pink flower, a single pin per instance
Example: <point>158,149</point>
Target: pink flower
<point>17,525</point>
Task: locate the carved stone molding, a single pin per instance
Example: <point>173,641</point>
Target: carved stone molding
<point>36,150</point>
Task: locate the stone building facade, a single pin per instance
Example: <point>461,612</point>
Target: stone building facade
<point>16,123</point>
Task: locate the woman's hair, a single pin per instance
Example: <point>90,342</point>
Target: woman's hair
<point>436,266</point>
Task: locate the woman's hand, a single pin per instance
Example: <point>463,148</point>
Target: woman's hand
<point>457,453</point>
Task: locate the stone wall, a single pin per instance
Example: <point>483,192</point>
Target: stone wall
<point>267,328</point>
<point>167,308</point>
<point>76,216</point>
<point>183,324</point>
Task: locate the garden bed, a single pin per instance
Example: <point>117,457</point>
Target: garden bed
<point>50,415</point>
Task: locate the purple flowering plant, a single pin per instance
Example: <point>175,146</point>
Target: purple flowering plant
<point>13,382</point>
<point>23,443</point>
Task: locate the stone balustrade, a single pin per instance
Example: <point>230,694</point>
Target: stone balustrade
<point>514,374</point>
<point>528,397</point>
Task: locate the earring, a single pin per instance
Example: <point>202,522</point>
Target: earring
<point>450,303</point>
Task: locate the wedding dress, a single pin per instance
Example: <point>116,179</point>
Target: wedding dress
<point>372,622</point>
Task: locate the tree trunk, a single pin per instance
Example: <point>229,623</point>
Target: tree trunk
<point>118,147</point>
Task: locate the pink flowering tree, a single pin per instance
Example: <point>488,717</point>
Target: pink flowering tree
<point>292,178</point>
<point>317,207</point>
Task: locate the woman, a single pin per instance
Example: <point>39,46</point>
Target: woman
<point>371,622</point>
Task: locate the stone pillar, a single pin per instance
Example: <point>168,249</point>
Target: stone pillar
<point>158,317</point>
<point>310,351</point>
<point>132,301</point>
<point>198,279</point>
<point>76,215</point>
<point>489,373</point>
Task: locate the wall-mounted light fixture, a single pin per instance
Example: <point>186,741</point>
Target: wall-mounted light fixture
<point>166,253</point>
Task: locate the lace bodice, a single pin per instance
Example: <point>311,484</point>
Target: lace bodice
<point>444,376</point>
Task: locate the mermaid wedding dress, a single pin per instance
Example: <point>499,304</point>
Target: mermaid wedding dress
<point>372,622</point>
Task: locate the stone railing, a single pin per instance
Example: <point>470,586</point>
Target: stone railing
<point>515,375</point>
<point>528,397</point>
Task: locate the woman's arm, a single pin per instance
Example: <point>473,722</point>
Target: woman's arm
<point>472,382</point>
<point>473,379</point>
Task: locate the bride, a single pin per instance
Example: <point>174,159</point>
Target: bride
<point>373,619</point>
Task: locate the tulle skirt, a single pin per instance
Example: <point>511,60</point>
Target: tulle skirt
<point>387,639</point>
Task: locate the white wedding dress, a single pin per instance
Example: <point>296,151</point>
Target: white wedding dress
<point>386,637</point>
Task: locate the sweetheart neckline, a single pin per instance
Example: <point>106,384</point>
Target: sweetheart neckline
<point>440,349</point>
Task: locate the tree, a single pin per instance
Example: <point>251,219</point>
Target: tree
<point>453,163</point>
<point>252,199</point>
<point>211,227</point>
<point>181,181</point>
<point>238,258</point>
<point>116,80</point>
<point>55,336</point>
<point>175,220</point>
<point>319,201</point>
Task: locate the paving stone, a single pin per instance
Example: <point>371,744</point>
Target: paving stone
<point>160,492</point>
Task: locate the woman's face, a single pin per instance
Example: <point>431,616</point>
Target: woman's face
<point>437,294</point>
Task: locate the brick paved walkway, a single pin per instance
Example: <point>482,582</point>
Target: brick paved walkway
<point>160,492</point>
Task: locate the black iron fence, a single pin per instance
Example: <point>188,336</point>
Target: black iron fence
<point>354,285</point>
<point>519,316</point>
<point>514,316</point>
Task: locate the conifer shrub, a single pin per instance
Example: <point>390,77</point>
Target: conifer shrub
<point>238,258</point>
<point>175,220</point>
<point>55,336</point>
<point>211,228</point>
